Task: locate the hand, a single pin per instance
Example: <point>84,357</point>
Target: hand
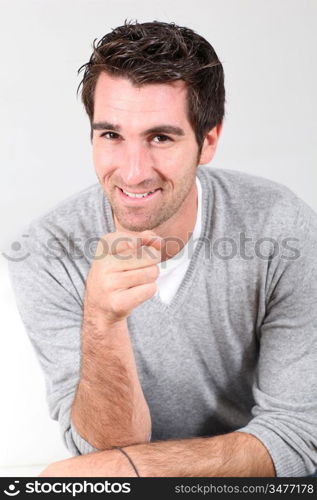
<point>123,274</point>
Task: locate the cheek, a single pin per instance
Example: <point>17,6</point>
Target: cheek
<point>101,160</point>
<point>176,159</point>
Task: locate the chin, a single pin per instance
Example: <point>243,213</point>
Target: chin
<point>136,227</point>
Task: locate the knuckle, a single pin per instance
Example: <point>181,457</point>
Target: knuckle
<point>115,305</point>
<point>152,288</point>
<point>146,274</point>
<point>153,272</point>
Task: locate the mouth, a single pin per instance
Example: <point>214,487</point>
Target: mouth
<point>138,197</point>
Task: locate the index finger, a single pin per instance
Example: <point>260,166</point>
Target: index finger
<point>149,238</point>
<point>117,242</point>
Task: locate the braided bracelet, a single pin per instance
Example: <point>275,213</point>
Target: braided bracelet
<point>125,453</point>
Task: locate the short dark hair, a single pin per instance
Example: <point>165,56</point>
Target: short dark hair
<point>159,52</point>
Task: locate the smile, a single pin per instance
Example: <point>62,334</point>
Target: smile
<point>137,197</point>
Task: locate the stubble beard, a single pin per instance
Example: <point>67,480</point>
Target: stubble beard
<point>153,220</point>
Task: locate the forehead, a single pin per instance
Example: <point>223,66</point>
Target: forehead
<point>118,98</point>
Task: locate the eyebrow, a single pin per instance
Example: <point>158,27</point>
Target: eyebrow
<point>158,129</point>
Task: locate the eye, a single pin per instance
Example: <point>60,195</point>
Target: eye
<point>161,138</point>
<point>110,135</point>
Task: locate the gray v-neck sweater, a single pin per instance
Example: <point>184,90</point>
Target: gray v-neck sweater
<point>236,349</point>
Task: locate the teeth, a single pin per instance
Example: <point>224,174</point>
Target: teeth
<point>134,195</point>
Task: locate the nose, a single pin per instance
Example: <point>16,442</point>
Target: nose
<point>137,165</point>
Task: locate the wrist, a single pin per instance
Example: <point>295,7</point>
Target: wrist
<point>132,464</point>
<point>97,322</point>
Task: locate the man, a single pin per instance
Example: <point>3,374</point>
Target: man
<point>185,344</point>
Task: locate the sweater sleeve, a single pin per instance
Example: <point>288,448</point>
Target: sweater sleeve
<point>49,300</point>
<point>285,385</point>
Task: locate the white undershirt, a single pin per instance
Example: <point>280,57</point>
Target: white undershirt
<point>172,271</point>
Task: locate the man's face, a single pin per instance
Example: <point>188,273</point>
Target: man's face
<point>143,142</point>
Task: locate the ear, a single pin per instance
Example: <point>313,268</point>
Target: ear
<point>210,144</point>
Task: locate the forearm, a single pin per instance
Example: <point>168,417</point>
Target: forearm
<point>109,408</point>
<point>235,454</point>
<point>231,455</point>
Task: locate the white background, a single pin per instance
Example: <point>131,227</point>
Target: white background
<point>268,50</point>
